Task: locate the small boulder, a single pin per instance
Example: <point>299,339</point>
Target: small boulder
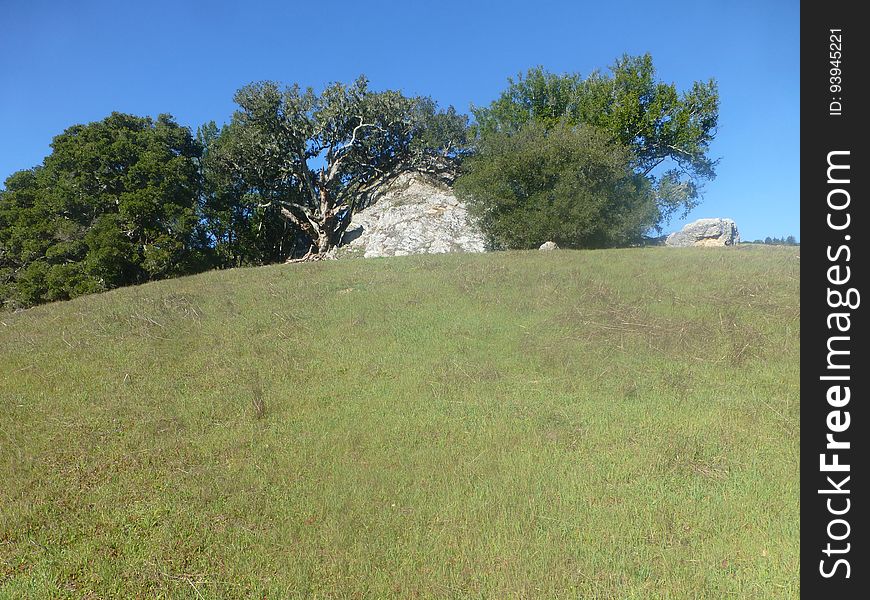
<point>705,232</point>
<point>547,246</point>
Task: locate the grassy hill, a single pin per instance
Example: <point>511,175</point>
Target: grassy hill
<point>599,424</point>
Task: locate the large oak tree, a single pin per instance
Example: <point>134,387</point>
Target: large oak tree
<point>311,160</point>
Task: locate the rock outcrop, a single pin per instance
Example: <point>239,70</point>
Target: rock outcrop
<point>705,232</point>
<point>547,246</point>
<point>415,214</point>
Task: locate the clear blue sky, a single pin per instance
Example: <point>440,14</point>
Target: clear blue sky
<point>63,63</point>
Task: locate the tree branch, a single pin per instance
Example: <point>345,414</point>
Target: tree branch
<point>653,166</point>
<point>341,153</point>
<point>681,151</point>
<point>306,177</point>
<point>309,227</point>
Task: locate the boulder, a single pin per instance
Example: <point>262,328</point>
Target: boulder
<point>547,246</point>
<point>415,214</point>
<point>705,232</point>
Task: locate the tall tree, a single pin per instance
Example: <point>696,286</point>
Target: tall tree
<point>311,159</point>
<point>115,203</point>
<point>570,184</point>
<point>669,132</point>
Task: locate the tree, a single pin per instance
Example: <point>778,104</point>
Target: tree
<point>571,184</point>
<point>115,203</point>
<point>668,132</point>
<point>301,164</point>
<point>240,232</point>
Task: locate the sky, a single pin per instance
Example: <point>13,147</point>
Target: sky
<point>65,63</point>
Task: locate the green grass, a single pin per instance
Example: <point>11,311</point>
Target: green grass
<point>601,424</point>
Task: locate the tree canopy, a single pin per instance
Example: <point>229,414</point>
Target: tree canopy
<point>115,203</point>
<point>302,163</point>
<point>570,184</point>
<point>669,132</point>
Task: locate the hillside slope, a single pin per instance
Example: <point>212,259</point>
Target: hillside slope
<point>607,424</point>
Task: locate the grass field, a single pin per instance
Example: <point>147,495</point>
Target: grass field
<point>600,424</point>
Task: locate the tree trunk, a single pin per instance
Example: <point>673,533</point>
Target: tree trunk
<point>323,244</point>
<point>327,220</point>
<point>322,226</point>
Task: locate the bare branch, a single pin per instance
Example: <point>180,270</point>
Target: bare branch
<point>653,166</point>
<point>680,150</point>
<point>312,189</point>
<point>342,152</point>
<point>337,209</point>
<point>303,209</point>
<point>309,226</point>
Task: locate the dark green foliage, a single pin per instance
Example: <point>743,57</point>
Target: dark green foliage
<point>239,233</point>
<point>115,203</point>
<point>668,132</point>
<point>569,184</point>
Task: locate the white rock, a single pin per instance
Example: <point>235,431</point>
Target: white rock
<point>705,232</point>
<point>414,214</point>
